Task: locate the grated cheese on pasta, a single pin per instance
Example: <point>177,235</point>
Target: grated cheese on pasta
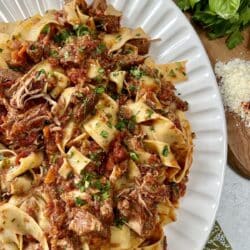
<point>235,86</point>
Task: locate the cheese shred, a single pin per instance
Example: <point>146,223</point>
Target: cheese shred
<point>234,84</point>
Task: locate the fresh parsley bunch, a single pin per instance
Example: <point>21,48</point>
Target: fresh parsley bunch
<point>221,18</point>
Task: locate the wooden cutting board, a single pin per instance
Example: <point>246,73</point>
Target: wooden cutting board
<point>238,134</point>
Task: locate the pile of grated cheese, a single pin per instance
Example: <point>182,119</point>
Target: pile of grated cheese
<point>234,84</point>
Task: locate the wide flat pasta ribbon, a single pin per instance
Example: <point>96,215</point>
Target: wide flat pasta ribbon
<point>19,222</point>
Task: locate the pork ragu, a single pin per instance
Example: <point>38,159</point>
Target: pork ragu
<point>95,148</point>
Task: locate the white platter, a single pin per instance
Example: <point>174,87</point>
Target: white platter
<point>162,19</point>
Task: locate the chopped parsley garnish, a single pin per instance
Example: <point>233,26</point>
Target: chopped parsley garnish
<point>40,72</point>
<point>97,197</point>
<point>132,88</point>
<point>165,151</point>
<point>121,125</point>
<point>84,183</point>
<point>62,36</point>
<point>137,73</point>
<point>53,53</point>
<point>126,123</point>
<point>46,29</point>
<point>101,71</point>
<point>129,51</point>
<point>132,122</point>
<point>118,37</point>
<point>98,79</point>
<point>100,48</point>
<point>81,30</point>
<point>149,113</point>
<point>100,90</point>
<point>105,195</point>
<point>104,134</point>
<point>96,158</point>
<point>119,220</point>
<point>97,184</point>
<point>104,190</point>
<point>172,73</point>
<point>79,202</point>
<point>114,96</point>
<point>134,156</point>
<point>91,180</point>
<point>93,156</point>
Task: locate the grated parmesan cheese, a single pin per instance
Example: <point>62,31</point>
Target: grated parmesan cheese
<point>235,86</point>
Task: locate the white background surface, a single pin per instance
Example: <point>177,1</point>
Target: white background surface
<point>234,211</point>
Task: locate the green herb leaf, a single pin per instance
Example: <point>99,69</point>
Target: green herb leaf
<point>234,39</point>
<point>118,37</point>
<point>132,122</point>
<point>245,14</point>
<point>220,18</point>
<point>120,221</point>
<point>101,71</point>
<point>79,202</point>
<point>128,51</point>
<point>62,36</point>
<point>100,90</point>
<point>105,196</point>
<point>150,112</point>
<point>134,156</point>
<point>137,73</point>
<point>93,156</point>
<point>46,29</point>
<point>165,151</point>
<point>132,88</point>
<point>121,125</point>
<point>104,134</point>
<point>53,53</point>
<point>81,30</point>
<point>224,8</point>
<point>100,48</point>
<point>194,2</point>
<point>184,4</point>
<point>40,72</point>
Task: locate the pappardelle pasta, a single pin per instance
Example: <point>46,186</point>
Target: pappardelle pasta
<point>95,146</point>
